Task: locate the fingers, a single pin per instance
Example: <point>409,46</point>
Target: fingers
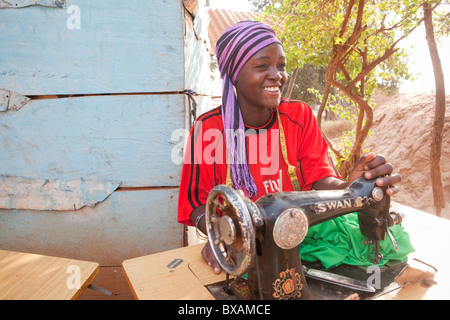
<point>392,190</point>
<point>362,163</point>
<point>210,259</point>
<point>389,181</point>
<point>371,161</point>
<point>376,166</point>
<point>377,171</point>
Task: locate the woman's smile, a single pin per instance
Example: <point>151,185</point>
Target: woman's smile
<point>272,90</point>
<point>260,83</point>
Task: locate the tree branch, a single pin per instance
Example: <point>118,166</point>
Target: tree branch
<point>439,113</point>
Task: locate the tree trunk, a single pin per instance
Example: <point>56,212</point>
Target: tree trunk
<point>291,83</point>
<point>323,103</point>
<point>439,116</point>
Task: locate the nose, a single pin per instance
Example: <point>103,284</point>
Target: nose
<point>275,74</point>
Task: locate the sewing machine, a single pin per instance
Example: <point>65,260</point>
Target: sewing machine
<point>262,238</point>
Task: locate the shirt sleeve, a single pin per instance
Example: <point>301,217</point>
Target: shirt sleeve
<point>198,175</point>
<point>314,158</point>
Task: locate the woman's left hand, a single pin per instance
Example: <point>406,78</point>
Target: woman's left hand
<point>372,166</point>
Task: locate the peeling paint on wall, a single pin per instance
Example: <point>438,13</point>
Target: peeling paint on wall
<point>105,84</point>
<point>10,100</point>
<point>42,194</point>
<point>27,3</point>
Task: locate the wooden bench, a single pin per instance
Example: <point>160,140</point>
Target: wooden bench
<point>27,276</point>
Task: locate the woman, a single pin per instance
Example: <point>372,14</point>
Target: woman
<point>241,143</point>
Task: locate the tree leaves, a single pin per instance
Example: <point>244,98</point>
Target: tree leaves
<point>356,41</point>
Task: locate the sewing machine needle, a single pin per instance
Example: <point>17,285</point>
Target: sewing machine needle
<point>337,279</point>
<point>392,239</point>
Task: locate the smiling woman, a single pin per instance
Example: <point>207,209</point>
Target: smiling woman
<point>254,119</point>
<point>235,48</point>
<point>260,83</point>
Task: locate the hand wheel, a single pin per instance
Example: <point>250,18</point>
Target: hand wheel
<point>230,230</point>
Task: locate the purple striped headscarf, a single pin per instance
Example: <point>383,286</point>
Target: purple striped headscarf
<point>234,48</point>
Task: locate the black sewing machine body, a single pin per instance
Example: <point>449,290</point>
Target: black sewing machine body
<point>262,238</point>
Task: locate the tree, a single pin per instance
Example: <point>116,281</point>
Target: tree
<point>439,117</point>
<point>301,80</point>
<point>260,5</point>
<point>352,39</point>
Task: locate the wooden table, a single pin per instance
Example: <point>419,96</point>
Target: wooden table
<point>182,274</point>
<point>430,236</point>
<point>27,276</point>
<point>171,275</point>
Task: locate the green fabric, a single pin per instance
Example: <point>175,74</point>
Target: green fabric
<point>339,241</point>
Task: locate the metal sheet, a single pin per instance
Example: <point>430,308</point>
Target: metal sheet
<point>93,47</point>
<point>11,100</point>
<point>126,225</point>
<point>122,138</point>
<point>40,194</point>
<point>14,4</point>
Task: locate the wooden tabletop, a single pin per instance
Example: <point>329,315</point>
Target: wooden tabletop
<point>171,275</point>
<point>182,274</point>
<point>27,276</point>
<point>430,236</point>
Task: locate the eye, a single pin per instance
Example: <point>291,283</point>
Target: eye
<point>262,66</point>
<point>282,66</point>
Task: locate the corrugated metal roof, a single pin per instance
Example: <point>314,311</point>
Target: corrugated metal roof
<point>221,19</point>
<point>190,5</point>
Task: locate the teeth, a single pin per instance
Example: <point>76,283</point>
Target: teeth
<point>271,89</point>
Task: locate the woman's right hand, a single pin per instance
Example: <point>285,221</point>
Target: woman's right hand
<point>210,259</point>
<point>207,252</point>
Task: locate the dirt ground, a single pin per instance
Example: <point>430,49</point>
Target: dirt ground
<point>402,133</point>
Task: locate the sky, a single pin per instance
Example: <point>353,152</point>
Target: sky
<point>419,61</point>
<point>236,5</point>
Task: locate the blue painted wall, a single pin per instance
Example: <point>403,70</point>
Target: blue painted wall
<point>124,138</point>
<point>102,85</point>
<point>90,46</point>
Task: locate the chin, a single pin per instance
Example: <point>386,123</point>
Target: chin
<point>273,104</point>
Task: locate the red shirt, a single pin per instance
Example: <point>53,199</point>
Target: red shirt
<point>205,166</point>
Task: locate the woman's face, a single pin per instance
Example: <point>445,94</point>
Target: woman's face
<point>261,80</point>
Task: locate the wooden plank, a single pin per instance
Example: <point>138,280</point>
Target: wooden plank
<point>122,138</point>
<point>168,275</point>
<point>26,276</point>
<point>126,225</point>
<point>93,47</point>
<point>427,232</point>
<point>429,235</point>
<point>111,279</point>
